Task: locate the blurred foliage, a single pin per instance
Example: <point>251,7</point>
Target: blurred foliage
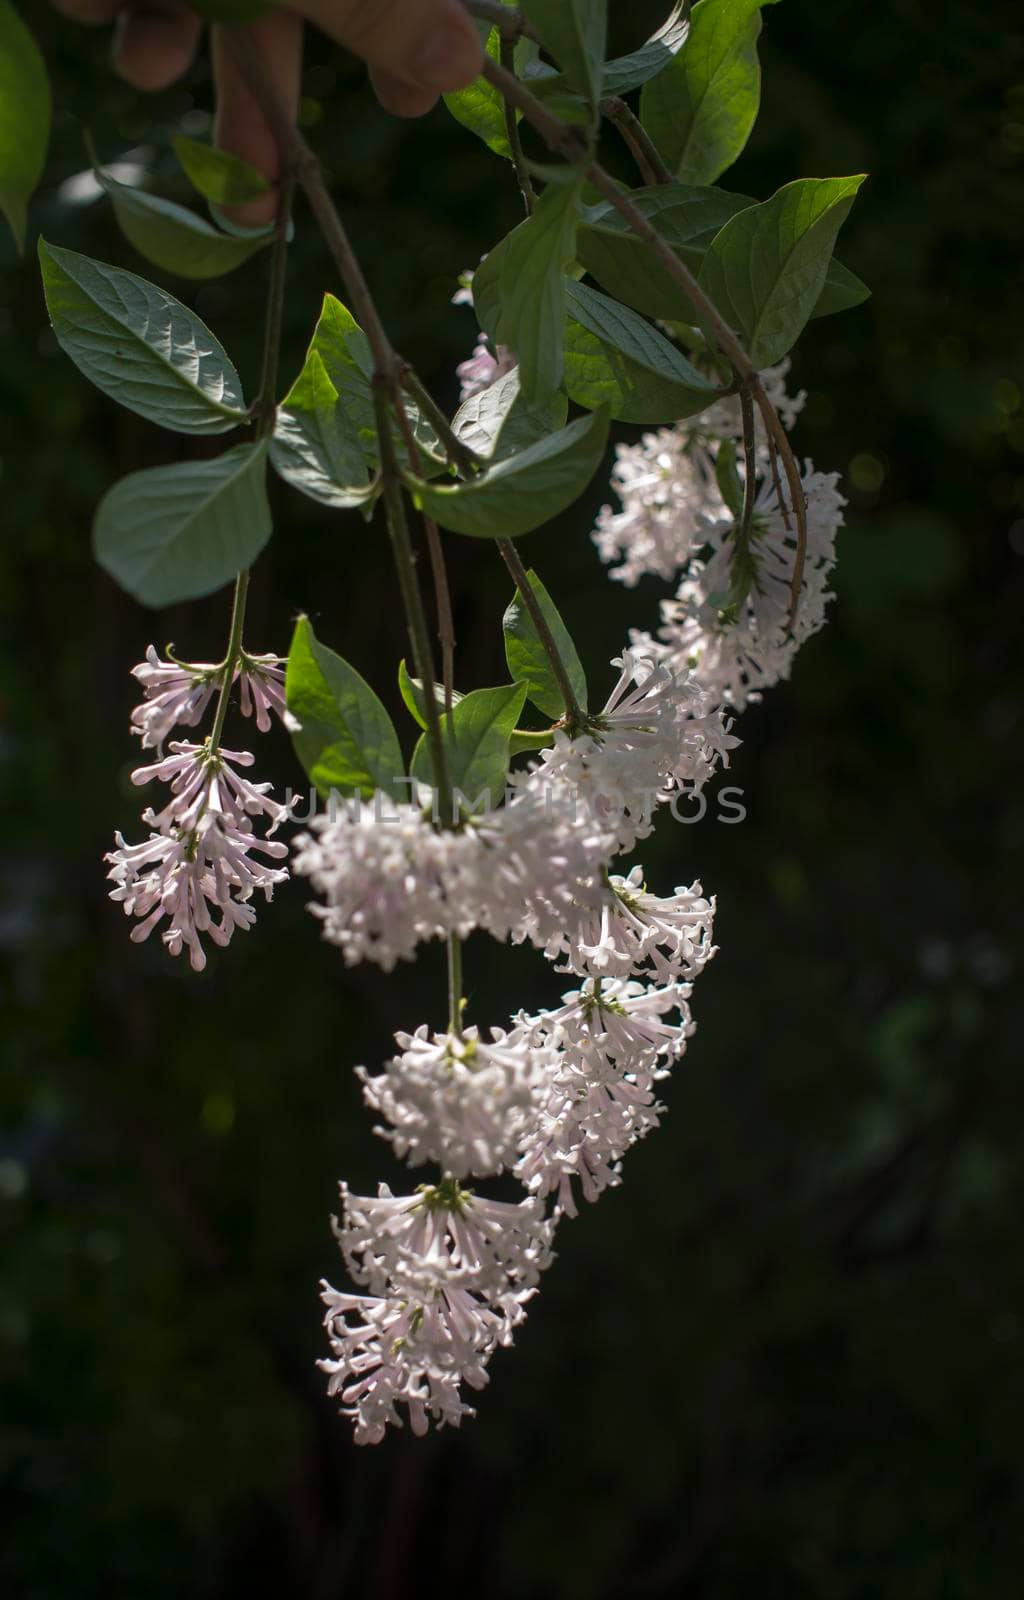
<point>785,1358</point>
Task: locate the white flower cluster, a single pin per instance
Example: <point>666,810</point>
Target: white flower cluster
<point>728,621</point>
<point>197,872</point>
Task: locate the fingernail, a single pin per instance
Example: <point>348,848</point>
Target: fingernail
<point>449,59</point>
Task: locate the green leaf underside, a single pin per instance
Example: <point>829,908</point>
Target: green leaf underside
<point>525,490</point>
<point>139,345</point>
<point>481,109</point>
<point>411,690</point>
<point>766,269</point>
<point>174,239</point>
<point>688,219</point>
<point>532,298</point>
<point>614,358</point>
<point>699,111</point>
<point>179,532</point>
<point>573,34</point>
<point>217,174</point>
<point>477,743</point>
<point>498,422</point>
<point>345,740</point>
<point>316,447</point>
<point>528,660</point>
<point>24,118</point>
<point>342,349</point>
<point>630,72</point>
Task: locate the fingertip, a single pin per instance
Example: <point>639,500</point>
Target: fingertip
<point>401,97</point>
<point>450,57</point>
<point>153,46</point>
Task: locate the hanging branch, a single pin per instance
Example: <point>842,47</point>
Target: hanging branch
<point>571,144</point>
<point>642,147</point>
<point>526,189</point>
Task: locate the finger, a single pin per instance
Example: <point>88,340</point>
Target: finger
<point>94,13</point>
<point>401,98</point>
<point>240,125</point>
<point>154,43</point>
<point>431,43</point>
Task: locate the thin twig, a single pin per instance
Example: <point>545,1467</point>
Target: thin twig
<point>510,22</point>
<point>508,61</point>
<point>575,717</point>
<point>644,151</point>
<point>749,467</point>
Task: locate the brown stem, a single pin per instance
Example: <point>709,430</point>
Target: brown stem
<point>510,22</point>
<point>642,147</point>
<point>458,452</point>
<point>508,50</point>
<point>575,715</point>
<point>443,600</point>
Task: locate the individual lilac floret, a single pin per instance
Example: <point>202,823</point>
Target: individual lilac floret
<point>484,367</point>
<point>261,680</point>
<point>456,1099</point>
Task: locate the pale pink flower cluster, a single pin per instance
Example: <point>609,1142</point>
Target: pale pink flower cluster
<point>196,874</point>
<point>728,621</point>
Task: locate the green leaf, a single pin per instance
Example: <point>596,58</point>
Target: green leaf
<point>344,352</point>
<point>481,109</point>
<point>532,289</point>
<point>316,447</point>
<point>614,358</point>
<point>24,118</point>
<point>626,73</point>
<point>411,690</point>
<point>728,478</point>
<point>699,111</point>
<point>687,218</point>
<point>766,269</point>
<point>174,239</point>
<point>477,742</point>
<point>178,532</point>
<point>498,422</point>
<point>345,739</point>
<point>843,290</point>
<point>573,34</point>
<point>528,660</point>
<point>139,345</point>
<point>524,490</point>
<point>218,175</point>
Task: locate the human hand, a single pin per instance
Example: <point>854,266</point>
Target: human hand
<point>415,49</point>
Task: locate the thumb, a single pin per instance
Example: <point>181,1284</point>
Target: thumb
<point>430,45</point>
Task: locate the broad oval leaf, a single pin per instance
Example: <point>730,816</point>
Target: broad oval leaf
<point>614,358</point>
<point>498,421</point>
<point>139,345</point>
<point>532,289</point>
<point>477,740</point>
<point>315,446</point>
<point>179,532</point>
<point>573,34</point>
<point>24,118</point>
<point>344,738</point>
<point>218,175</point>
<point>766,269</point>
<point>528,660</point>
<point>523,491</point>
<point>630,72</point>
<point>480,107</point>
<point>699,111</point>
<point>175,239</point>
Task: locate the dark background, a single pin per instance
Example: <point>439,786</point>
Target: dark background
<point>785,1358</point>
